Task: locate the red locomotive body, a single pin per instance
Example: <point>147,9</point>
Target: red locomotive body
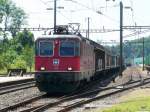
<point>62,62</point>
<point>58,59</point>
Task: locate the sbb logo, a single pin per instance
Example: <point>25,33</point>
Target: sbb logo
<point>55,61</point>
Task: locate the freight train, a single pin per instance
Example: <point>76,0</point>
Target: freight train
<point>64,60</point>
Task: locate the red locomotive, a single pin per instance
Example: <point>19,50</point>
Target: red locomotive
<point>65,60</point>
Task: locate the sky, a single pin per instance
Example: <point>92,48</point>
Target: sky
<point>78,11</point>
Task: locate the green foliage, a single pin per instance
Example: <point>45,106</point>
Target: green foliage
<point>18,63</point>
<point>28,56</point>
<point>18,19</point>
<point>18,52</point>
<point>25,38</point>
<point>136,105</point>
<point>6,58</point>
<point>11,17</point>
<point>147,60</point>
<point>134,49</point>
<point>1,63</point>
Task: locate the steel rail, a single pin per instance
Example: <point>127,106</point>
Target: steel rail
<point>4,84</point>
<point>21,103</point>
<point>28,101</point>
<point>71,94</point>
<point>82,102</point>
<point>62,99</point>
<point>50,105</point>
<point>16,87</point>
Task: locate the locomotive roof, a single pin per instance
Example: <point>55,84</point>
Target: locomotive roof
<point>98,46</point>
<point>72,36</point>
<point>58,36</point>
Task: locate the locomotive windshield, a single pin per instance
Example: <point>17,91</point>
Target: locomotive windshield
<point>46,48</point>
<point>69,48</point>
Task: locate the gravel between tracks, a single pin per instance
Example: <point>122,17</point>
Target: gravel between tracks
<point>101,104</point>
<point>17,96</point>
<point>115,99</point>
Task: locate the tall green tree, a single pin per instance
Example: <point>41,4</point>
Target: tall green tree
<point>25,38</point>
<point>19,52</point>
<point>6,58</point>
<point>11,17</point>
<point>18,19</point>
<point>28,56</point>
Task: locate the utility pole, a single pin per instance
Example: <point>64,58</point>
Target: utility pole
<point>121,37</point>
<point>88,31</point>
<point>55,16</point>
<point>143,54</point>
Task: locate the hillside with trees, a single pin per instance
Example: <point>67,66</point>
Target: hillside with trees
<point>134,49</point>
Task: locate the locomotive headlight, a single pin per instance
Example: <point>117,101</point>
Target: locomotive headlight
<point>42,68</point>
<point>69,68</point>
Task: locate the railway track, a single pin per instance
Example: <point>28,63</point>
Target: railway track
<point>16,74</point>
<point>71,101</point>
<point>12,107</point>
<point>28,101</point>
<point>80,90</point>
<point>17,86</point>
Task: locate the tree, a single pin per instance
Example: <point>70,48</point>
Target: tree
<point>1,63</point>
<point>25,46</point>
<point>18,63</point>
<point>25,38</point>
<point>18,19</point>
<point>11,17</point>
<point>28,56</point>
<point>7,58</point>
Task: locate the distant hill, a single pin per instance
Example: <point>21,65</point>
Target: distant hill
<point>134,49</point>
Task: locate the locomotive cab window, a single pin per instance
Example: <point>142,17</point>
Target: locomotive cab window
<point>69,48</point>
<point>46,48</point>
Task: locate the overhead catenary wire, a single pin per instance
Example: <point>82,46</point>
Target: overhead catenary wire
<point>92,30</point>
<point>65,16</point>
<point>43,29</point>
<point>45,3</point>
<point>136,27</point>
<point>76,2</point>
<point>144,28</point>
<point>136,33</point>
<point>95,11</point>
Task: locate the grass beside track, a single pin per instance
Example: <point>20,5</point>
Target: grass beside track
<point>134,105</point>
<point>136,101</point>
